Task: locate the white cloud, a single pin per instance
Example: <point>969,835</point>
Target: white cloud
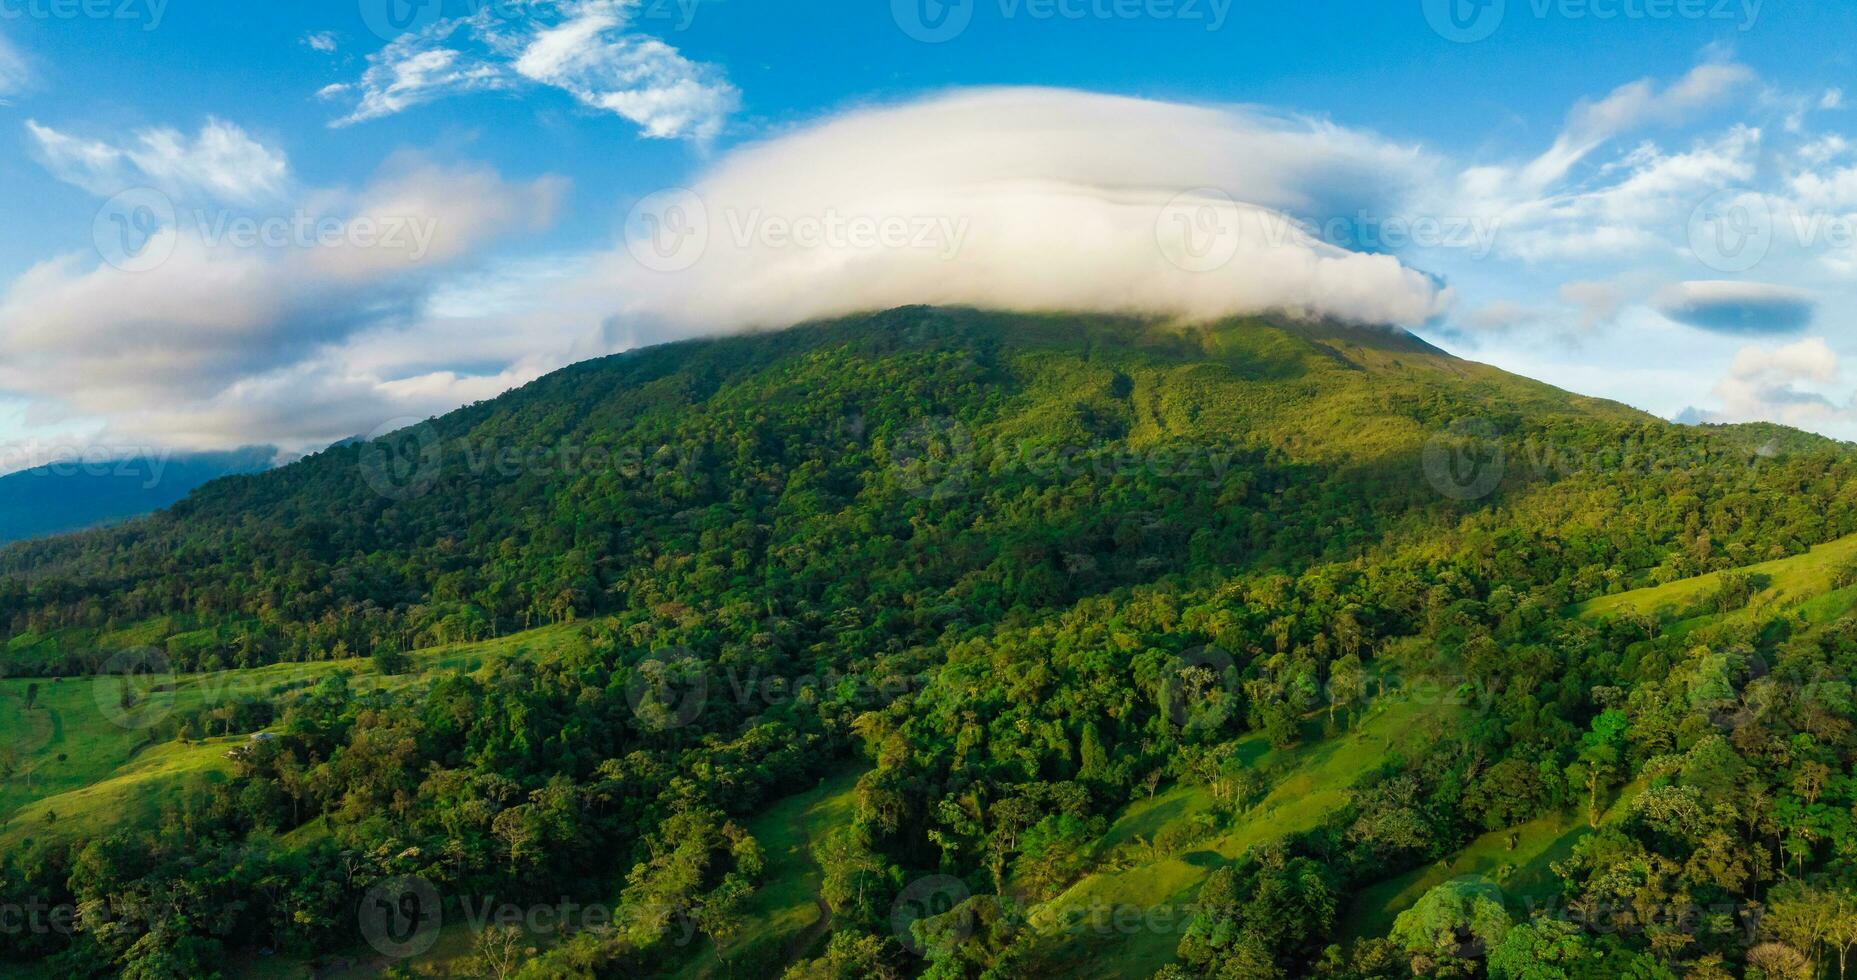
<point>1633,207</point>
<point>1502,315</point>
<point>222,162</point>
<point>591,56</point>
<point>414,69</point>
<point>1807,360</point>
<point>184,351</point>
<point>1836,189</point>
<point>1035,199</point>
<point>1777,385</point>
<point>586,48</point>
<point>1629,107</point>
<point>310,404</point>
<point>13,72</point>
<point>1598,302</point>
<point>323,41</point>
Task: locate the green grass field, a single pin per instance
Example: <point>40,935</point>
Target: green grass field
<point>78,753</point>
<point>1517,859</point>
<point>1082,933</point>
<point>786,917</point>
<point>1803,580</point>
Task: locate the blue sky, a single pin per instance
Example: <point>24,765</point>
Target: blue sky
<point>1575,144</point>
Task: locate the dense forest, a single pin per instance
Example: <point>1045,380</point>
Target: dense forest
<point>1017,573</point>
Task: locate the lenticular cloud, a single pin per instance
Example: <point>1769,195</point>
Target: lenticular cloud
<point>1027,199</point>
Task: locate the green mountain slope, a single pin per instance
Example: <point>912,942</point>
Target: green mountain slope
<point>536,506</point>
<point>1018,572</point>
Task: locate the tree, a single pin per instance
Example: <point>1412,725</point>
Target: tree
<point>1599,758</point>
<point>1778,961</point>
<point>1801,916</point>
<point>1461,919</point>
<point>1841,927</point>
<point>848,867</point>
<point>849,956</point>
<point>1347,684</point>
<point>390,660</point>
<point>1542,949</point>
<point>499,951</point>
<point>720,915</point>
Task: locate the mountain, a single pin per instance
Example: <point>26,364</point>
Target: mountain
<point>939,641</point>
<point>557,498</point>
<point>76,495</point>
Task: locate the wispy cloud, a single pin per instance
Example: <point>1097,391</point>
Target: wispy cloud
<point>222,161</point>
<point>13,73</point>
<point>585,48</point>
<point>414,69</point>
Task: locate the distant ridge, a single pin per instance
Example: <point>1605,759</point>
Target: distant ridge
<point>78,495</point>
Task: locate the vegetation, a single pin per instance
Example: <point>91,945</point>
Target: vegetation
<point>1255,629</point>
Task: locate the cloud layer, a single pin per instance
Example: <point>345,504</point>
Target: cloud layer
<point>225,341</point>
<point>1026,199</point>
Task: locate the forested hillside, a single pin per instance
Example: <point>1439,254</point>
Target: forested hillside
<point>1017,581</point>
